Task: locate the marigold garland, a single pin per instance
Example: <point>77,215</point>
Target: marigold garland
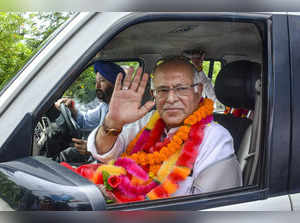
<point>152,169</point>
<point>164,152</point>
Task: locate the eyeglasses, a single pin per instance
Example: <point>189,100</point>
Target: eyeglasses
<point>180,91</point>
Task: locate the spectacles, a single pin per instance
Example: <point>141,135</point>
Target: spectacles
<point>180,91</point>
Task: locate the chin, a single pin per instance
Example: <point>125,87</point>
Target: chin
<point>173,122</point>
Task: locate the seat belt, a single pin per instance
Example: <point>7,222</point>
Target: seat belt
<point>254,151</point>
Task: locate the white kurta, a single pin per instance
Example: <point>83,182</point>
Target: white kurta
<point>217,145</point>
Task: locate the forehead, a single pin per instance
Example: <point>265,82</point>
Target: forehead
<point>173,73</point>
<point>99,76</point>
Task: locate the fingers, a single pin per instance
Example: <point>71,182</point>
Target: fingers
<point>118,83</point>
<point>143,84</point>
<point>67,101</point>
<point>137,84</point>
<point>78,140</point>
<point>146,108</point>
<point>127,79</point>
<point>81,145</point>
<point>136,80</point>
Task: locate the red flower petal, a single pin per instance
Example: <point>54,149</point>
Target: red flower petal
<point>160,192</point>
<point>175,177</point>
<point>98,178</point>
<point>113,181</point>
<point>68,166</point>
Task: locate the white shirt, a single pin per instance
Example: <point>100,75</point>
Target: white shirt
<point>92,118</point>
<point>217,145</point>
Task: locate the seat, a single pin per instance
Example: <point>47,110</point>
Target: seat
<point>235,87</point>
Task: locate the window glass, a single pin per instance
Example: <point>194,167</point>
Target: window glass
<point>22,35</point>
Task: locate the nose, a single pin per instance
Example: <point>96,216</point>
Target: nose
<point>172,97</point>
<point>98,84</point>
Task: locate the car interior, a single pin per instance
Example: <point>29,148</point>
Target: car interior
<point>237,45</point>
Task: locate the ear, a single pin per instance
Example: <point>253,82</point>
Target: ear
<point>152,95</point>
<point>200,89</point>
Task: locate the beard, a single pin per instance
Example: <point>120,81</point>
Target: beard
<point>104,95</point>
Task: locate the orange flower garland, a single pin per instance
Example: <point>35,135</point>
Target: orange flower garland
<point>150,169</point>
<point>177,140</point>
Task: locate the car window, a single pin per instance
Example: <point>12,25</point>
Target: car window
<point>52,130</point>
<point>23,34</point>
<point>247,54</point>
<point>83,89</point>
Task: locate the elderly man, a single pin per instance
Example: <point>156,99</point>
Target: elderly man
<point>106,74</point>
<point>183,136</point>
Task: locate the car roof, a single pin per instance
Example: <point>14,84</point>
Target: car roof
<point>221,40</point>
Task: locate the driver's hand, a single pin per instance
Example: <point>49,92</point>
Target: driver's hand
<point>68,102</point>
<point>81,146</point>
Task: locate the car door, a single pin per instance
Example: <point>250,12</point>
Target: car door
<point>61,62</point>
<point>294,182</point>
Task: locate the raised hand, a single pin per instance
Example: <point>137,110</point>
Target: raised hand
<point>125,104</point>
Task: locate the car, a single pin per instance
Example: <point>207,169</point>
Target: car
<point>252,61</point>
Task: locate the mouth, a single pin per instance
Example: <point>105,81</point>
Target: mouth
<point>172,109</point>
<point>100,94</point>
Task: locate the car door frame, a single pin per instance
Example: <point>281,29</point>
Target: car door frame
<point>294,171</point>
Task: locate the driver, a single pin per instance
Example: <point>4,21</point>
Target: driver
<point>106,74</point>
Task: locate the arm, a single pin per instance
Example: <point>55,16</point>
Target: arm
<point>92,118</point>
<point>127,135</point>
<point>124,108</point>
<point>216,167</point>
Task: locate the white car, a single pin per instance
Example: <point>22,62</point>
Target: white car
<point>265,82</point>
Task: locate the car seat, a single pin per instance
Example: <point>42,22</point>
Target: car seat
<point>235,86</point>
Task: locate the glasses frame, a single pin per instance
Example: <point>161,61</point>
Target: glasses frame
<point>173,88</point>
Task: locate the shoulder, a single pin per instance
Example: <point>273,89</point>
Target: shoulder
<point>101,107</point>
<point>217,130</point>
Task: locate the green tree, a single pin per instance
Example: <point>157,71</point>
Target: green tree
<point>22,35</point>
<point>42,25</point>
<point>13,51</point>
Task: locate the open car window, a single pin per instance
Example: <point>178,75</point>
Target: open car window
<point>240,127</point>
<point>237,56</point>
<point>54,131</point>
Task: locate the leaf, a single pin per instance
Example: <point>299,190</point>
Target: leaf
<point>105,176</point>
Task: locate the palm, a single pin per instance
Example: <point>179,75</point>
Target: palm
<point>125,105</point>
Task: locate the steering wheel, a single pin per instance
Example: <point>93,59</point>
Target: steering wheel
<point>72,125</point>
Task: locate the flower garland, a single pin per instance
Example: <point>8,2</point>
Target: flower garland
<point>154,153</point>
<point>151,169</point>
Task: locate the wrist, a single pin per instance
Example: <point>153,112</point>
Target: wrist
<point>108,122</point>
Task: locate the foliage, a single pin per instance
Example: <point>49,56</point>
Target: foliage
<point>13,52</point>
<point>83,89</point>
<point>21,36</point>
<point>216,69</point>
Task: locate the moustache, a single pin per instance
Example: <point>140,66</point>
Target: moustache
<point>172,108</point>
<point>100,94</point>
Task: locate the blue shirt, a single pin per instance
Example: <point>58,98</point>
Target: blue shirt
<point>92,118</point>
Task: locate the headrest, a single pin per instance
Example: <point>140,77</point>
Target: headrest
<point>235,84</point>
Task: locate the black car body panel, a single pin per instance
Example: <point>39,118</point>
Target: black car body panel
<point>42,184</point>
